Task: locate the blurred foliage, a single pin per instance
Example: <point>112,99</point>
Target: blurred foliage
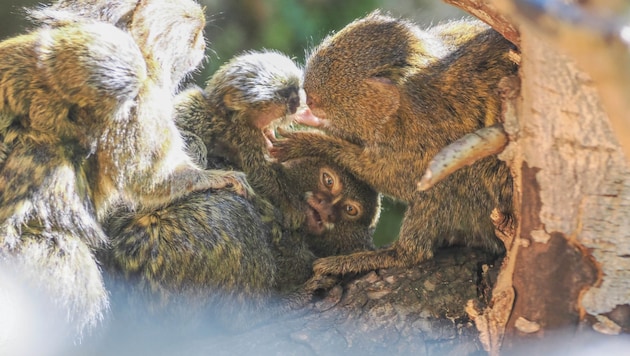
<point>295,26</point>
<point>290,26</point>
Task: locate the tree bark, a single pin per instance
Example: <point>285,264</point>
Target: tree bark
<point>420,311</point>
<point>403,311</point>
<point>576,193</point>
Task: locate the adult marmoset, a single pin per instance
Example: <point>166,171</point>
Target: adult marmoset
<point>48,212</point>
<point>87,123</point>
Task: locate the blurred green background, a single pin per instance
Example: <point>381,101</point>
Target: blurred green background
<point>290,26</point>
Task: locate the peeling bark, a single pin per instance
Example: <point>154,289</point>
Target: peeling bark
<point>572,271</point>
<point>549,278</point>
<point>403,311</point>
<point>419,311</point>
<point>583,176</point>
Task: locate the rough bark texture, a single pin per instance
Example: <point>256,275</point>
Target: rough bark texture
<point>403,311</point>
<point>581,180</point>
<point>486,12</point>
<point>418,311</point>
<point>572,269</point>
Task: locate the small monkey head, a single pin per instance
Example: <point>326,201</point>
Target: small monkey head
<point>261,87</point>
<point>82,77</point>
<point>352,78</point>
<point>341,212</point>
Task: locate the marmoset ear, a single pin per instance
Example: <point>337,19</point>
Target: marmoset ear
<point>383,94</point>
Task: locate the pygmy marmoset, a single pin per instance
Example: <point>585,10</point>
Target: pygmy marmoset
<point>390,96</point>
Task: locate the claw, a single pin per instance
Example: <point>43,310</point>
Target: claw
<point>234,181</point>
<point>277,151</point>
<point>465,151</point>
<point>320,282</point>
<point>240,185</point>
<point>270,137</point>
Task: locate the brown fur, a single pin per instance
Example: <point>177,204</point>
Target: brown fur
<point>220,251</point>
<point>86,124</point>
<point>389,112</point>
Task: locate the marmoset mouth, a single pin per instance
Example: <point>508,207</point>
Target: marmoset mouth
<point>319,213</point>
<point>314,221</point>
